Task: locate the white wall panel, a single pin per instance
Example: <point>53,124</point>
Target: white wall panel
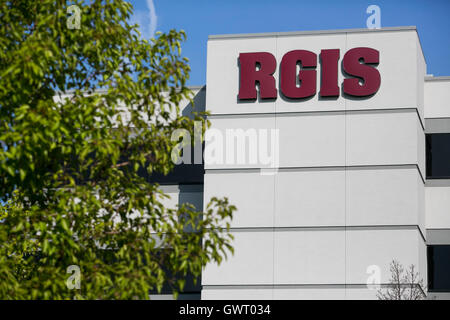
<point>251,193</point>
<point>421,205</point>
<point>224,133</point>
<point>287,293</point>
<point>312,140</point>
<point>310,198</point>
<point>437,97</point>
<point>237,294</point>
<point>360,293</point>
<point>325,293</point>
<point>437,203</point>
<point>421,73</point>
<point>382,138</point>
<point>379,247</point>
<point>252,262</point>
<point>310,257</point>
<point>383,196</point>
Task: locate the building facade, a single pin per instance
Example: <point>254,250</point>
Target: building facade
<point>361,170</point>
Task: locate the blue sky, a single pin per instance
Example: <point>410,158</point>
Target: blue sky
<point>201,18</point>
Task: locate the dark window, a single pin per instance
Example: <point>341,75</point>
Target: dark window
<point>191,291</point>
<point>181,174</point>
<point>438,156</point>
<point>439,268</point>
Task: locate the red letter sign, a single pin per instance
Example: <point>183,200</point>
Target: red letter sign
<point>250,76</point>
<point>288,84</point>
<point>369,74</point>
<point>329,73</point>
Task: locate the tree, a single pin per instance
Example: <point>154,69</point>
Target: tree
<point>71,189</point>
<point>403,284</point>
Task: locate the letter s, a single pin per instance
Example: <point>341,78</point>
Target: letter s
<point>362,71</point>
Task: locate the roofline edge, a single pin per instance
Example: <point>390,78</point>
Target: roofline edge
<point>312,32</point>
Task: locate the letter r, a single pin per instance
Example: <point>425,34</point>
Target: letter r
<point>250,75</point>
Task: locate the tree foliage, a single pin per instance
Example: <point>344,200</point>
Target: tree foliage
<point>72,155</point>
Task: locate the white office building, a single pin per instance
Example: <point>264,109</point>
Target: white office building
<point>347,181</point>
